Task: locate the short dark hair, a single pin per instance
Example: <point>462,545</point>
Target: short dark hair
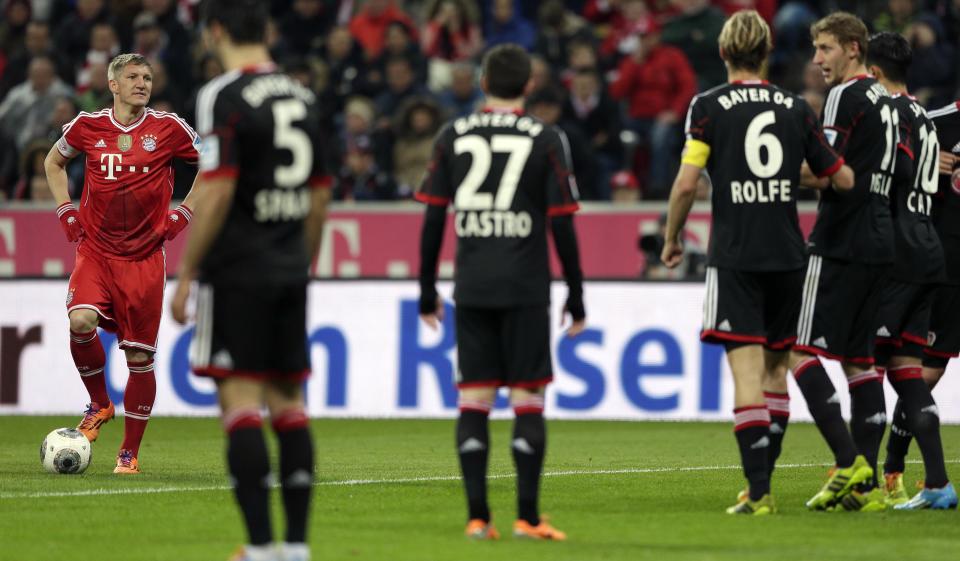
<point>892,53</point>
<point>244,20</point>
<point>507,70</point>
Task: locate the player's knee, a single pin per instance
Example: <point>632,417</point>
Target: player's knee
<point>527,401</point>
<point>83,321</point>
<point>933,369</point>
<point>478,396</point>
<point>137,355</point>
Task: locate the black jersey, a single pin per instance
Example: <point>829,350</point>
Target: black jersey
<point>262,128</point>
<point>919,256</point>
<point>863,126</point>
<point>752,138</point>
<point>505,173</point>
<point>946,209</point>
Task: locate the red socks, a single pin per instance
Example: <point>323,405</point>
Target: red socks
<point>90,359</point>
<point>137,403</point>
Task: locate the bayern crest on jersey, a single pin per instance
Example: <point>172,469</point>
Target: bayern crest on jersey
<point>149,142</point>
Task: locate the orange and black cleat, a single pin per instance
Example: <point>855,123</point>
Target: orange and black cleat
<point>478,529</point>
<point>93,418</point>
<point>127,464</point>
<point>542,531</point>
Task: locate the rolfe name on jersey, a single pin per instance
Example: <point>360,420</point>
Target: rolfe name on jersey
<point>772,191</point>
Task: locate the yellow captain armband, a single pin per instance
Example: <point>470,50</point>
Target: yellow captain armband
<point>696,153</point>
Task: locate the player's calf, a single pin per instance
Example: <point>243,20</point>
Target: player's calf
<point>868,415</point>
<point>296,472</point>
<point>473,446</point>
<point>249,467</point>
<point>752,430</point>
<point>824,405</point>
<point>923,420</point>
<point>529,448</point>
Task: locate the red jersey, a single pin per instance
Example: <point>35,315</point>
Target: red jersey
<point>128,180</point>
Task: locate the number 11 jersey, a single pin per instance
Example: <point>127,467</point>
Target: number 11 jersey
<point>505,173</point>
<point>862,124</point>
<point>752,138</point>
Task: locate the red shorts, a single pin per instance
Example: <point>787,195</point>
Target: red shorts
<point>128,296</point>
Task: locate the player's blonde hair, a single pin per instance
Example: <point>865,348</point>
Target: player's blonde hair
<point>745,40</point>
<point>119,61</point>
<point>846,27</point>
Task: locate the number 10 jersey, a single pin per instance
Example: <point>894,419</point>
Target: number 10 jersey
<point>504,173</point>
<point>752,138</point>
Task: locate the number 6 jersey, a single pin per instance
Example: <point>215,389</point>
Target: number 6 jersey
<point>504,173</point>
<point>752,138</point>
<point>262,128</point>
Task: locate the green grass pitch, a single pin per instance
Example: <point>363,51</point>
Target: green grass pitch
<point>387,490</point>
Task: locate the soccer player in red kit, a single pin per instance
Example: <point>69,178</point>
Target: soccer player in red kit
<point>121,225</point>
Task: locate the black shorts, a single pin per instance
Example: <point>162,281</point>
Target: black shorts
<point>945,323</point>
<point>503,347</point>
<point>752,307</point>
<point>903,320</point>
<point>257,331</point>
<point>838,314</point>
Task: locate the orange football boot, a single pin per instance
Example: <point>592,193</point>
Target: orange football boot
<point>478,529</point>
<point>126,464</point>
<point>93,418</point>
<point>542,531</point>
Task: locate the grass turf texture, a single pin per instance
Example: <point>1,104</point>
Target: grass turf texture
<point>180,509</point>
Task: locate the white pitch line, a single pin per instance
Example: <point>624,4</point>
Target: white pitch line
<point>395,481</point>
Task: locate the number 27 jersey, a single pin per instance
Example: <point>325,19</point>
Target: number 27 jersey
<point>504,173</point>
<point>752,139</point>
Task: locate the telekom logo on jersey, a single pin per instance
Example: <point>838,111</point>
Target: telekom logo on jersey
<point>114,165</point>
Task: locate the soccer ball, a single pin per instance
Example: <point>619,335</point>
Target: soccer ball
<point>65,451</point>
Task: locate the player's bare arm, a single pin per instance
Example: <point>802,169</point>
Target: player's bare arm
<point>313,223</point>
<point>682,195</point>
<point>214,197</point>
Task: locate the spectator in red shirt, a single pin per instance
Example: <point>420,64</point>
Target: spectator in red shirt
<point>622,38</point>
<point>369,27</point>
<point>657,83</point>
<point>452,32</point>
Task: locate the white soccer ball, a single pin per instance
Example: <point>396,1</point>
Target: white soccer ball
<point>66,451</point>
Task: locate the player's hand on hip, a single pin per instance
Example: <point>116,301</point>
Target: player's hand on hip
<point>178,305</point>
<point>575,309</point>
<point>431,310</point>
<point>672,254</point>
<point>177,220</point>
<point>70,221</point>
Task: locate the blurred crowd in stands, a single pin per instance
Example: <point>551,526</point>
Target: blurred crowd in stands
<point>615,75</point>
